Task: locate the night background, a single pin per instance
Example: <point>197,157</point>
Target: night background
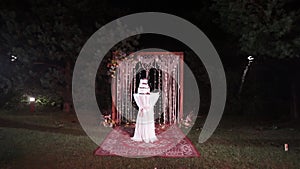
<point>41,40</point>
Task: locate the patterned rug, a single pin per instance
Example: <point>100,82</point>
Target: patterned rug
<point>171,143</point>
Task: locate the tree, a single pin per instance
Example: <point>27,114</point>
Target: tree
<point>265,29</point>
<point>48,43</point>
<point>50,38</point>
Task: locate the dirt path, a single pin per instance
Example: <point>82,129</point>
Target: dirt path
<point>13,124</point>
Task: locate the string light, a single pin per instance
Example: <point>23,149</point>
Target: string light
<point>167,109</point>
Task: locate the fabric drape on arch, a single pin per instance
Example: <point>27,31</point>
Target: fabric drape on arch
<point>164,71</point>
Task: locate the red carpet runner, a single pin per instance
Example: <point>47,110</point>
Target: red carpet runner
<point>171,143</point>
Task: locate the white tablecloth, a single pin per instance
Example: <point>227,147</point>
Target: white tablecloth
<point>144,127</point>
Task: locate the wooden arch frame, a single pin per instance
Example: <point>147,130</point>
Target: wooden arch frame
<point>150,56</point>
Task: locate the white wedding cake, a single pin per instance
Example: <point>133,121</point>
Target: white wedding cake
<point>144,87</point>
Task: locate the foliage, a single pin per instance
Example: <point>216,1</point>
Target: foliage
<point>43,44</point>
<point>108,121</point>
<point>263,28</point>
<point>47,44</point>
<point>43,99</point>
<point>117,57</point>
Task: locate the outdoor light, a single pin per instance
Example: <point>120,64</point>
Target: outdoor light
<point>250,58</point>
<point>31,99</point>
<point>32,104</point>
<point>13,58</point>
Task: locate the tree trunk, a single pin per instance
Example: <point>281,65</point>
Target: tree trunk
<point>67,96</point>
<point>294,95</point>
<point>294,111</point>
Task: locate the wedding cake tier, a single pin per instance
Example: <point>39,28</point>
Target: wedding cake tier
<point>144,87</point>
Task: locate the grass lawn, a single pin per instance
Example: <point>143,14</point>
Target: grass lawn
<point>233,145</point>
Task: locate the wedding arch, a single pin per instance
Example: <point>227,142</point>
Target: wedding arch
<point>164,71</point>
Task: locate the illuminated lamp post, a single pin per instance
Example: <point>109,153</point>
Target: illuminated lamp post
<point>250,60</point>
<point>32,104</point>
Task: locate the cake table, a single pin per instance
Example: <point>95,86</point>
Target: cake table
<point>145,126</point>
